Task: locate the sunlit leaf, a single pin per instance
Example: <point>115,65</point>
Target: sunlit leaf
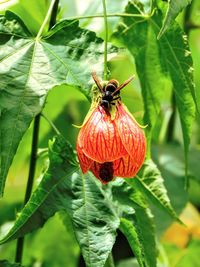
<point>30,67</point>
<point>63,187</point>
<point>174,8</point>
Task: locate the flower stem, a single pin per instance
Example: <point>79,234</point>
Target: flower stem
<point>106,39</point>
<point>110,16</point>
<point>51,123</point>
<point>33,159</point>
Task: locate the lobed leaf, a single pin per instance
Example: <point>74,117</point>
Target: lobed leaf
<point>63,187</point>
<point>155,59</point>
<point>174,8</point>
<point>30,67</point>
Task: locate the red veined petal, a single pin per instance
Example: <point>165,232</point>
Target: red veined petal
<point>84,161</point>
<point>99,138</point>
<point>125,167</point>
<point>131,135</point>
<point>103,171</point>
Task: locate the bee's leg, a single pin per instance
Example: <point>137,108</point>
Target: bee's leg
<point>116,98</point>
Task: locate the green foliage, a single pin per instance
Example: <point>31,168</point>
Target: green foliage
<point>156,58</point>
<point>174,8</point>
<point>151,183</point>
<point>136,222</point>
<point>63,188</point>
<point>32,66</point>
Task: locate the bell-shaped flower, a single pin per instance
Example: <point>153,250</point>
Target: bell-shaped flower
<point>110,142</point>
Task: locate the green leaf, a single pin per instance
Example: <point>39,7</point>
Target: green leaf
<point>65,188</point>
<point>168,59</point>
<point>5,263</point>
<point>128,229</point>
<point>174,8</point>
<point>30,67</point>
<point>135,221</point>
<point>150,181</point>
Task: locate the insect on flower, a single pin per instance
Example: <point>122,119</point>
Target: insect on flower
<point>110,142</point>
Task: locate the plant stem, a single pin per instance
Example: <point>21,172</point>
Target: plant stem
<point>49,13</point>
<point>106,39</point>
<point>171,124</point>
<point>33,159</point>
<point>110,16</point>
<point>51,123</point>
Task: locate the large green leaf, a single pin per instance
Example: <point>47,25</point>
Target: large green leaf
<point>30,67</point>
<point>63,187</point>
<point>174,8</point>
<point>136,222</point>
<point>150,181</point>
<point>171,56</point>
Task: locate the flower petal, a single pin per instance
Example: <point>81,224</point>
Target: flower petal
<point>131,135</point>
<point>84,161</point>
<point>125,167</point>
<point>100,139</point>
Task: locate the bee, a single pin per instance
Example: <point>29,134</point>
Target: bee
<point>110,91</point>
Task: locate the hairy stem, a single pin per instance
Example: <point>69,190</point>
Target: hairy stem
<point>106,39</point>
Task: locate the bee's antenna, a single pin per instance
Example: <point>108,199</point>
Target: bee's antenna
<point>96,80</point>
<point>123,85</point>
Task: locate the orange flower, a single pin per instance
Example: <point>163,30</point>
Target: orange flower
<point>110,142</point>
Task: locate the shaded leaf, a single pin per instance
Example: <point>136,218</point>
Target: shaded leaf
<point>150,181</point>
<point>130,232</point>
<point>64,188</point>
<point>30,67</point>
<point>174,8</point>
<point>169,59</point>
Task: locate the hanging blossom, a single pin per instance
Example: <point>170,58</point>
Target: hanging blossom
<point>110,142</point>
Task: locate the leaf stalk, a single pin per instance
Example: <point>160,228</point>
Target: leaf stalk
<point>48,15</point>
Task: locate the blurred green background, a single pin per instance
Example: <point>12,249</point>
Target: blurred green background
<point>179,246</point>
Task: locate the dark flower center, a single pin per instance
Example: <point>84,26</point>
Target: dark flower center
<point>106,171</point>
